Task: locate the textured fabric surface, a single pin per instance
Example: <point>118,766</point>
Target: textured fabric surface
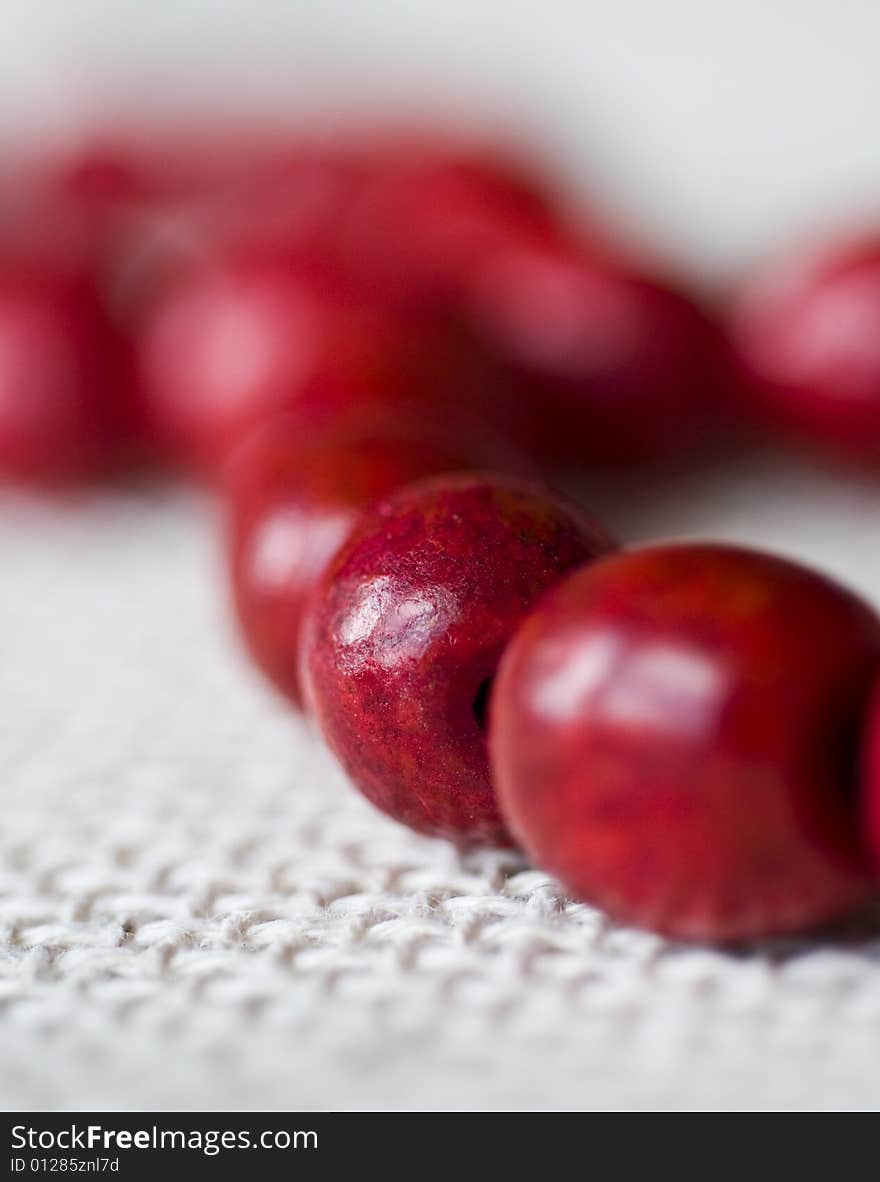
<point>195,911</point>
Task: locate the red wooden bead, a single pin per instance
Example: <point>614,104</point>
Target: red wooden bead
<point>61,415</point>
<point>808,337</point>
<point>242,337</point>
<point>294,494</point>
<point>406,630</point>
<point>161,165</point>
<point>430,216</point>
<point>674,733</point>
<point>617,367</point>
<point>146,205</point>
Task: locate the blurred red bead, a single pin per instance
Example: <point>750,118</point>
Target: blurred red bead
<point>614,366</point>
<point>674,734</point>
<point>808,336</point>
<point>146,165</point>
<point>38,230</point>
<point>147,202</point>
<point>293,496</point>
<point>405,631</point>
<point>300,202</point>
<point>105,173</point>
<point>430,215</point>
<point>243,336</point>
<point>61,416</point>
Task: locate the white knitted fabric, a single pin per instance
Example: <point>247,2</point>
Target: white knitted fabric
<point>196,912</point>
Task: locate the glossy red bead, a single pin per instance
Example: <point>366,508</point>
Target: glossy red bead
<point>616,366</point>
<point>406,631</point>
<point>674,735</point>
<point>808,336</point>
<point>293,496</point>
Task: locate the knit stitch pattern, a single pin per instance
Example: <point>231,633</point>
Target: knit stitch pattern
<point>197,912</point>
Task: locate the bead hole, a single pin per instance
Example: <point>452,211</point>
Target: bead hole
<point>481,703</point>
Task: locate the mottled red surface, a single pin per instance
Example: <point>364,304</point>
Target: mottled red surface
<point>406,631</point>
<point>294,495</point>
<point>808,335</point>
<point>674,735</point>
<point>617,366</point>
<point>61,413</point>
<point>242,337</point>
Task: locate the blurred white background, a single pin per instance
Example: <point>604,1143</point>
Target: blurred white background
<point>716,129</point>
